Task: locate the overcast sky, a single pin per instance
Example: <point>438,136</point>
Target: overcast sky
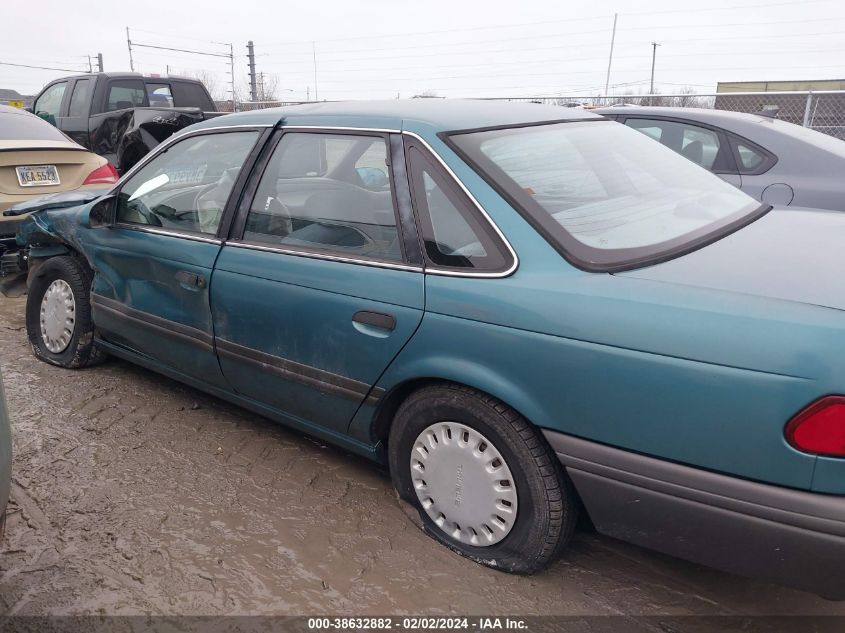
<point>453,48</point>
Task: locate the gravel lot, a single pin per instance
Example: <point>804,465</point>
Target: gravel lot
<point>132,494</point>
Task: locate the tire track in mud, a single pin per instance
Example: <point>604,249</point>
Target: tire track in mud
<point>133,494</point>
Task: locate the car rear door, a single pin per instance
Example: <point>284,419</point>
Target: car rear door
<point>153,265</point>
<point>321,284</point>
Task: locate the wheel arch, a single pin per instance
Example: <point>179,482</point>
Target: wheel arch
<point>39,254</point>
<point>484,379</point>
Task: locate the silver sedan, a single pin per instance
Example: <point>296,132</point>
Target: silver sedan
<point>774,161</point>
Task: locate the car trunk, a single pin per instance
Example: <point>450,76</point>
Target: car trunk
<point>72,166</point>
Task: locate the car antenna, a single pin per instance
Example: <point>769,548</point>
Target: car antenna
<point>770,111</point>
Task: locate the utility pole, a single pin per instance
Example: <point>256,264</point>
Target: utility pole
<point>129,44</point>
<point>610,57</point>
<point>314,52</point>
<point>654,46</point>
<point>232,72</point>
<point>100,61</point>
<point>90,67</point>
<point>250,48</point>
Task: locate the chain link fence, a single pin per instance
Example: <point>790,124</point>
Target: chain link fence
<point>823,110</point>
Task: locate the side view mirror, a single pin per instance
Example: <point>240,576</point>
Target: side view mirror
<point>47,117</point>
<point>102,212</point>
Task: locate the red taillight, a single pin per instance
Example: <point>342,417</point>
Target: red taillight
<point>820,428</point>
<point>105,175</point>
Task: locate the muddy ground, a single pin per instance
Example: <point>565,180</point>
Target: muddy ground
<point>135,495</point>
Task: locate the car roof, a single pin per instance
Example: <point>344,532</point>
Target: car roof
<point>404,114</point>
<point>125,75</point>
<point>705,115</point>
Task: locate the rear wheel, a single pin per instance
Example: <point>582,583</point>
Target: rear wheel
<point>58,314</point>
<point>483,480</point>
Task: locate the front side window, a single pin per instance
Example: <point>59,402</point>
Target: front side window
<point>605,195</point>
<point>186,187</point>
<point>50,103</point>
<point>124,94</point>
<point>327,193</point>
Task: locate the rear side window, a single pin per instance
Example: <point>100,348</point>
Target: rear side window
<point>751,159</point>
<point>698,144</point>
<point>190,95</point>
<point>124,94</point>
<point>159,96</point>
<point>327,193</point>
<point>79,98</point>
<point>454,233</point>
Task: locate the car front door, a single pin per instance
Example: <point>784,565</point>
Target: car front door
<point>322,283</point>
<point>153,264</point>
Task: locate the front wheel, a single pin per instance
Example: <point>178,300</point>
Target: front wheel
<point>483,480</point>
<point>58,314</point>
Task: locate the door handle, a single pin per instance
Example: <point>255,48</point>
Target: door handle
<point>378,320</point>
<point>188,278</point>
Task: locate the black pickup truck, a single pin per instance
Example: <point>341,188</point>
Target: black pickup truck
<point>122,116</point>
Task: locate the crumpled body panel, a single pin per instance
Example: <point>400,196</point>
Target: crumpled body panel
<point>125,136</point>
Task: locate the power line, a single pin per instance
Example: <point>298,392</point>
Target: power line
<point>69,70</point>
<point>568,20</point>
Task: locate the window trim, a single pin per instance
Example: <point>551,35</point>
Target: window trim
<point>463,206</point>
<point>451,272</point>
<point>236,234</point>
<point>558,245</point>
<point>234,195</point>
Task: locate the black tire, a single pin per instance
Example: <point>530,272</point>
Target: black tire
<point>548,505</point>
<point>81,351</point>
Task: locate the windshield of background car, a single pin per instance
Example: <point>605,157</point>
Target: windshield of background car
<point>26,127</point>
<point>604,194</point>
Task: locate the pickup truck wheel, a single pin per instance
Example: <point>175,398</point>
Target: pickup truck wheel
<point>58,314</point>
<point>483,480</point>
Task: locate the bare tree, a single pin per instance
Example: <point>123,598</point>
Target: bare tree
<point>218,91</point>
<point>427,94</point>
<point>267,87</point>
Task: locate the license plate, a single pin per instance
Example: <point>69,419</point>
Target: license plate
<point>38,175</point>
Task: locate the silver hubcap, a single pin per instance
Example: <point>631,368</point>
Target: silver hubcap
<point>463,483</point>
<point>58,316</point>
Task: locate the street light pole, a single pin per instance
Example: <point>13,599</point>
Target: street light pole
<point>654,46</point>
<point>610,57</point>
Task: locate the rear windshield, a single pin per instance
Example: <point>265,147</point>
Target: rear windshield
<point>607,196</point>
<point>22,126</point>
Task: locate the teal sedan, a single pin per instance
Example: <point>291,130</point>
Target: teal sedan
<point>5,458</point>
<point>525,311</point>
